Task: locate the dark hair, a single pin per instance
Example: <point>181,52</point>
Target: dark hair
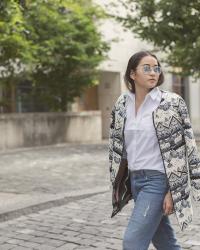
<point>132,65</point>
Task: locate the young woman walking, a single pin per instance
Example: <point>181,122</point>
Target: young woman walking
<point>153,157</point>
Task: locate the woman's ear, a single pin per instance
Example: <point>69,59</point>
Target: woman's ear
<point>132,75</point>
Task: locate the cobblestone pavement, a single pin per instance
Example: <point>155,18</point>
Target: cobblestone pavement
<point>33,176</point>
<point>54,169</point>
<point>83,224</point>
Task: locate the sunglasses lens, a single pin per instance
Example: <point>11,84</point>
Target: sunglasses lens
<point>157,69</point>
<point>146,69</point>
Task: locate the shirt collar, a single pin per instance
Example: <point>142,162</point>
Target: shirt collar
<point>154,94</point>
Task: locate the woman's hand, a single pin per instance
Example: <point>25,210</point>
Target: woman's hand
<point>168,204</point>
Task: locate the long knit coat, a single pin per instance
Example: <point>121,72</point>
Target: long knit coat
<point>178,149</point>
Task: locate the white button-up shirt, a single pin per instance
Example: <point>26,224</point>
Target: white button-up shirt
<point>141,142</point>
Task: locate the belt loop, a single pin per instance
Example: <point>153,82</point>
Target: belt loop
<point>145,174</point>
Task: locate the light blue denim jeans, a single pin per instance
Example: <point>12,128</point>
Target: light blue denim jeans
<point>147,222</point>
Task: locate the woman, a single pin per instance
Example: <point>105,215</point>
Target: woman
<point>152,155</point>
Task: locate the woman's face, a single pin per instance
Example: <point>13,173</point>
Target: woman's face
<point>147,73</point>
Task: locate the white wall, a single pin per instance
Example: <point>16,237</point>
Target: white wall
<point>109,90</point>
<point>194,92</point>
<point>1,96</point>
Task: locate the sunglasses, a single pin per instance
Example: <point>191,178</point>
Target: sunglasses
<point>147,69</point>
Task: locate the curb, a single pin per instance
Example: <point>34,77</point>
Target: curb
<point>61,200</point>
<point>58,145</point>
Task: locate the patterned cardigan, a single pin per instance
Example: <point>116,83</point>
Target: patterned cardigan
<point>178,150</point>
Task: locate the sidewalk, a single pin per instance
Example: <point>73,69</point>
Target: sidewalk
<point>57,197</point>
<point>81,225</point>
<point>50,175</point>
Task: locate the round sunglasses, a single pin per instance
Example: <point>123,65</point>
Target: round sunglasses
<point>147,69</point>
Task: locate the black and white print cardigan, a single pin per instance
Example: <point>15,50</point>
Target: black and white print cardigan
<point>178,149</point>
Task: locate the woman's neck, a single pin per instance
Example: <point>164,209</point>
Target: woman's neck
<point>140,94</point>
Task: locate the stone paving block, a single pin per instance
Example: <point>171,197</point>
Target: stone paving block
<point>7,246</point>
<point>3,239</point>
<point>53,243</point>
<point>71,238</point>
<point>25,230</point>
<point>68,246</point>
<point>14,241</point>
<point>29,244</point>
<point>21,248</point>
<point>87,242</point>
<point>103,245</point>
<point>87,236</point>
<point>38,239</point>
<point>55,236</point>
<point>114,241</point>
<point>44,247</point>
<point>55,231</point>
<point>70,233</point>
<point>22,236</point>
<point>37,233</point>
<point>87,248</point>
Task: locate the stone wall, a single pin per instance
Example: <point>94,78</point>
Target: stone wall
<point>37,129</point>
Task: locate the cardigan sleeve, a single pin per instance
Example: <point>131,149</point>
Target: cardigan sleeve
<point>111,140</point>
<point>193,155</point>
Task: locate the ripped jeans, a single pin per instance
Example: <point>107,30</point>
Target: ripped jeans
<point>147,222</point>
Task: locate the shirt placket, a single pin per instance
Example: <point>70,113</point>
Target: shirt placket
<point>138,126</point>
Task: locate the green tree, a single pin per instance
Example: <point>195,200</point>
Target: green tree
<point>173,26</point>
<point>69,48</point>
<point>15,50</point>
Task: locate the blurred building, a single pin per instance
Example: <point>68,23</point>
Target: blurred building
<point>111,83</point>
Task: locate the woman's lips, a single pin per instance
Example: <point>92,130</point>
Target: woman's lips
<point>152,81</point>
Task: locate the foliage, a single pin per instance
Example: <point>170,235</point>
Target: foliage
<point>173,26</point>
<point>55,44</point>
<point>69,48</point>
<point>15,49</point>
